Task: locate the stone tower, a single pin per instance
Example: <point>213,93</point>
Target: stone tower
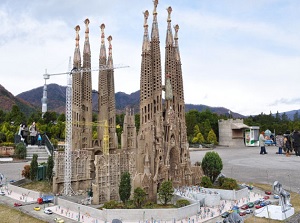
<point>162,146</point>
<point>76,96</point>
<point>106,89</point>
<point>87,111</point>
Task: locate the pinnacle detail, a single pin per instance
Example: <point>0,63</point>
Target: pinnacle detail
<point>155,6</point>
<point>169,9</point>
<point>110,46</point>
<point>77,38</point>
<point>102,27</point>
<point>87,30</point>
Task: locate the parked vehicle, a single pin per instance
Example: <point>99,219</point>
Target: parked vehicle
<point>249,211</point>
<point>48,211</point>
<point>2,193</point>
<point>250,204</point>
<point>225,214</point>
<point>59,220</point>
<point>17,204</point>
<point>245,206</point>
<point>266,197</point>
<point>268,192</point>
<point>37,208</point>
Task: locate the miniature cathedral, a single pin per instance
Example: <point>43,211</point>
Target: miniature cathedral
<point>158,152</point>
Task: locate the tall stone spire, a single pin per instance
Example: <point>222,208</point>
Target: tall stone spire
<point>87,109</point>
<point>180,91</point>
<point>113,139</point>
<point>76,95</point>
<point>102,88</point>
<point>170,70</point>
<point>156,66</point>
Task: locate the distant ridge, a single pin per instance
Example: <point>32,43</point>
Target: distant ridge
<point>30,102</point>
<point>57,97</point>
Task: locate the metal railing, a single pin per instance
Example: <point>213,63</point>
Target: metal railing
<point>48,143</point>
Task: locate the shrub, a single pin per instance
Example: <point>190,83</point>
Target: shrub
<point>20,151</point>
<point>110,204</point>
<point>206,182</point>
<point>26,171</point>
<point>182,203</point>
<point>34,167</point>
<point>148,205</point>
<point>229,184</point>
<point>139,196</point>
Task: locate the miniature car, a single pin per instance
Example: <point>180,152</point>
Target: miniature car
<point>17,204</point>
<point>267,202</point>
<point>250,204</point>
<point>245,206</point>
<point>2,193</point>
<point>276,196</point>
<point>242,213</point>
<point>258,206</point>
<point>225,214</point>
<point>48,211</point>
<point>257,202</point>
<point>262,204</point>
<point>268,192</point>
<point>249,211</point>
<point>266,197</point>
<point>37,208</point>
<point>59,220</point>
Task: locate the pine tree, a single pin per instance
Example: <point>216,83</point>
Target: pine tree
<point>34,167</point>
<point>125,187</point>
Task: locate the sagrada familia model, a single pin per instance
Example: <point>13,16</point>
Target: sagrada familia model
<point>158,152</point>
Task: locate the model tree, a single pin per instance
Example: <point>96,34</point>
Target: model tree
<point>50,165</point>
<point>125,187</point>
<point>165,192</point>
<point>34,167</point>
<point>139,196</point>
<point>212,165</point>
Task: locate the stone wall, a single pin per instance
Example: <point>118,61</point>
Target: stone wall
<point>232,194</point>
<point>7,151</point>
<point>29,195</point>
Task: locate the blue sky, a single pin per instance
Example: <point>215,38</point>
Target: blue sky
<point>242,55</point>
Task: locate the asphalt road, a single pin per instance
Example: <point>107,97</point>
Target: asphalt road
<point>247,165</point>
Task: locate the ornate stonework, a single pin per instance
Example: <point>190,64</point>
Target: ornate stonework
<point>159,151</point>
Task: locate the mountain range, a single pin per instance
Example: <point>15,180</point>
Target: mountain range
<point>30,101</point>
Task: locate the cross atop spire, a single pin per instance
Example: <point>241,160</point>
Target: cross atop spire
<point>155,6</point>
<point>77,38</point>
<point>169,9</point>
<point>87,30</point>
<point>102,27</point>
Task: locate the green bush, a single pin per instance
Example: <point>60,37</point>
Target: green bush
<point>20,151</point>
<point>206,182</point>
<point>148,205</point>
<point>229,184</point>
<point>111,204</point>
<point>182,203</point>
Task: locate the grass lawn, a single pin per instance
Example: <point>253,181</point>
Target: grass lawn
<point>41,186</point>
<point>295,200</point>
<point>9,215</point>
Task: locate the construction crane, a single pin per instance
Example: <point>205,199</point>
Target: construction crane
<point>68,138</point>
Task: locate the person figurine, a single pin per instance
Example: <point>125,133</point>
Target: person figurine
<point>296,137</point>
<point>279,142</point>
<point>33,132</point>
<point>262,143</point>
<point>39,138</point>
<point>287,143</point>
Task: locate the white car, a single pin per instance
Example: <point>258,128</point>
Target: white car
<point>2,193</point>
<point>48,211</point>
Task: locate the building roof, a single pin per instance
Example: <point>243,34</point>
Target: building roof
<point>239,126</point>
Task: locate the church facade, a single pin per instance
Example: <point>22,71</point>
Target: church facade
<point>159,151</point>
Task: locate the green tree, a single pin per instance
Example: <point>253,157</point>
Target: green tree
<point>50,165</point>
<point>20,151</point>
<point>139,197</point>
<point>206,182</point>
<point>34,167</point>
<point>125,187</point>
<point>212,165</point>
<point>212,138</point>
<point>198,138</point>
<point>165,192</point>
